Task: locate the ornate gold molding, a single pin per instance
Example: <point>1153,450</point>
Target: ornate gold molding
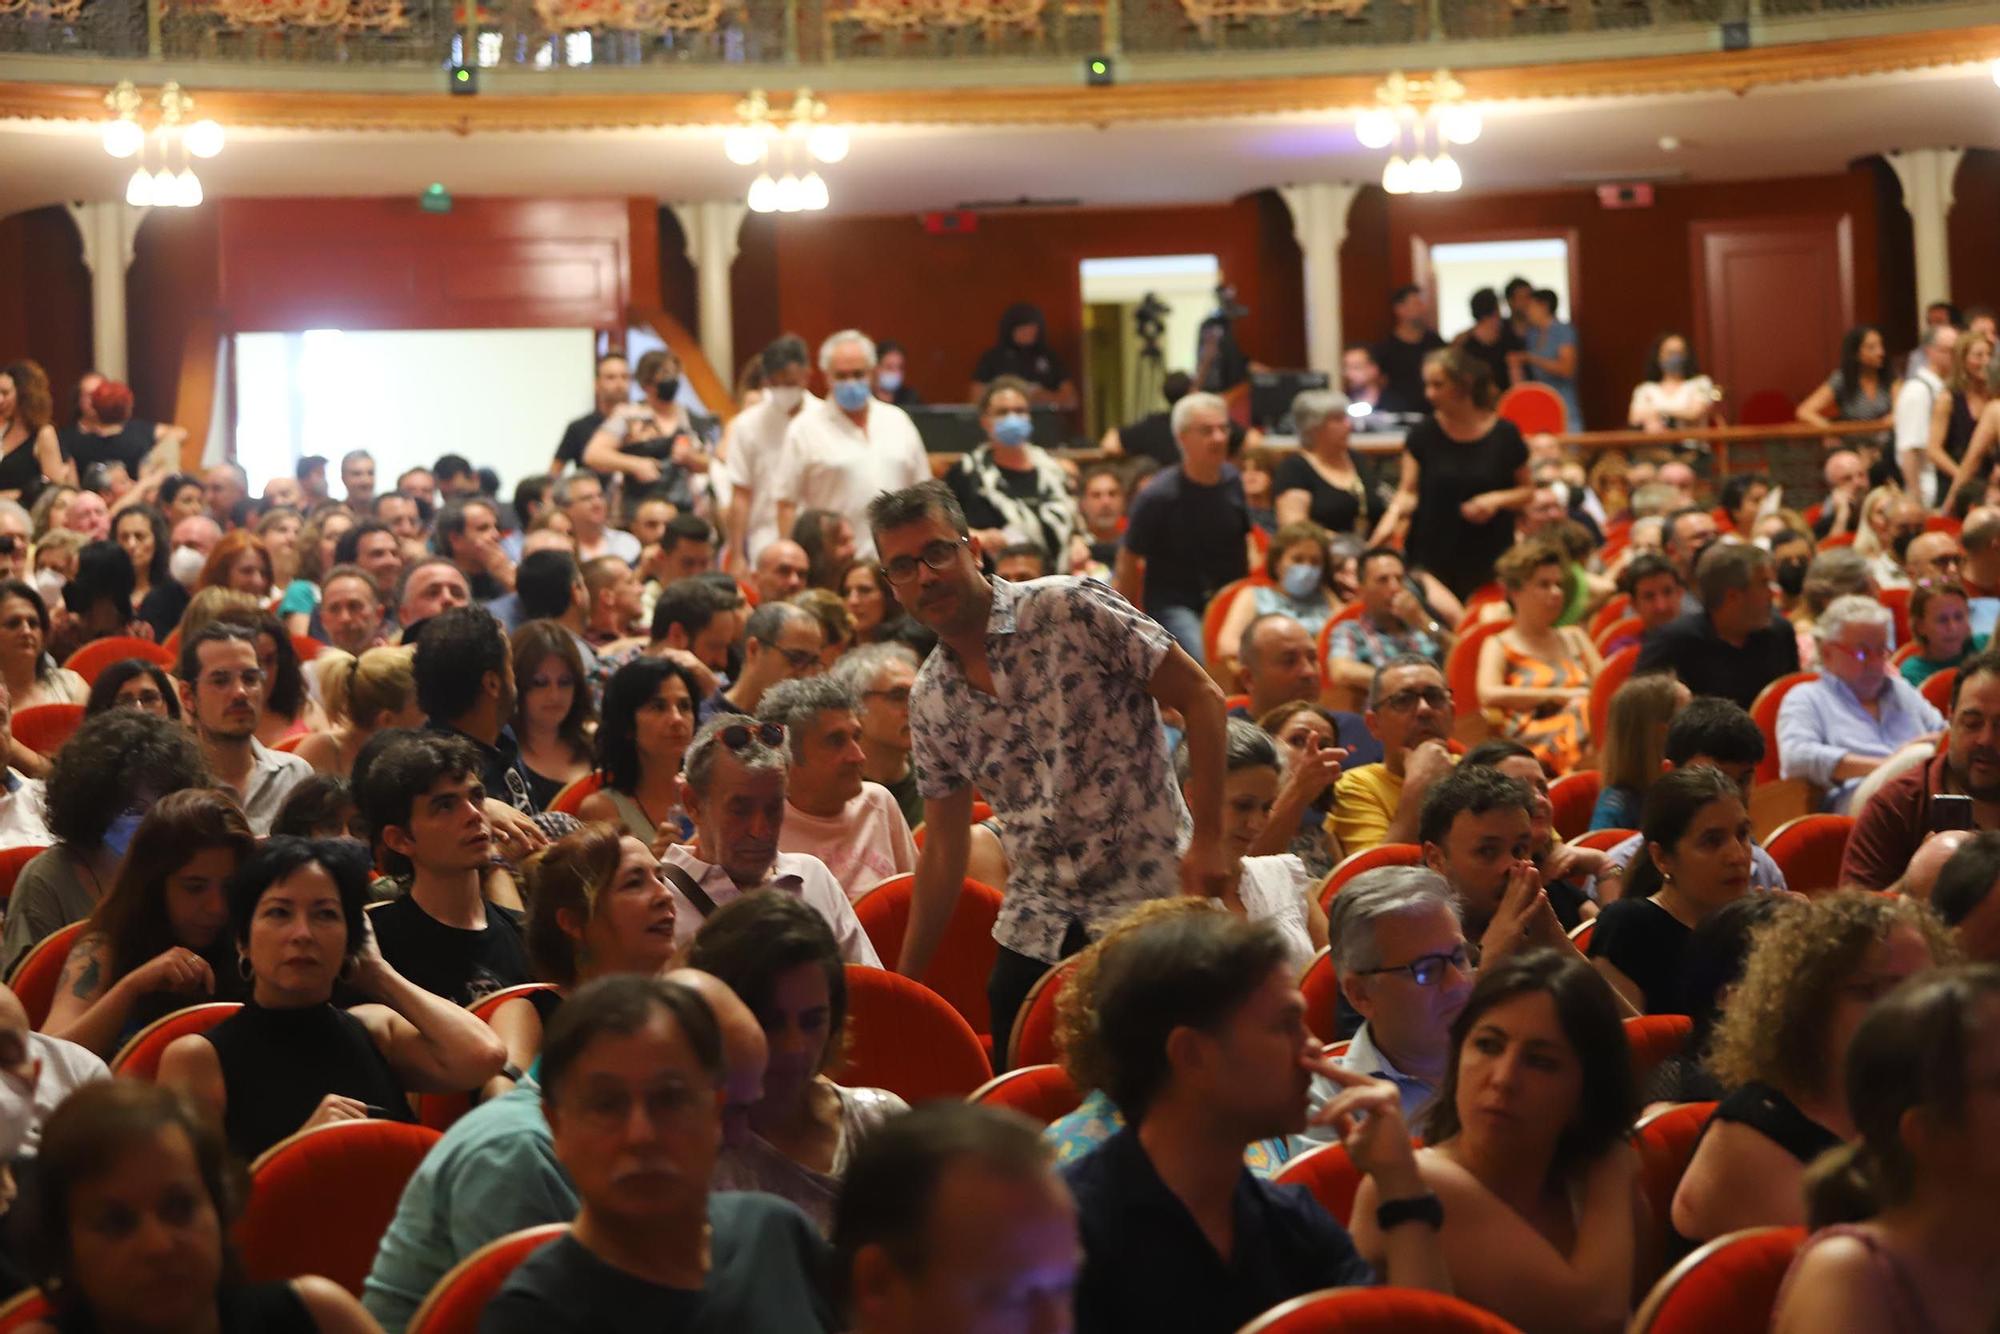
<point>1125,103</point>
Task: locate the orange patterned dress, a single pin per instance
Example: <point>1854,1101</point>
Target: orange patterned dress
<point>1559,734</point>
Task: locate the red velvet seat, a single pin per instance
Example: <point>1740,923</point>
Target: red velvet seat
<point>11,862</point>
<point>1574,797</point>
<point>36,973</point>
<point>1376,1311</point>
<point>1321,987</point>
<point>1461,666</point>
<point>904,1037</point>
<point>1043,1093</point>
<point>1033,1041</point>
<point>1729,1286</point>
<point>571,797</point>
<point>1624,628</point>
<point>456,1303</point>
<point>965,954</point>
<point>23,1310</point>
<point>1603,840</point>
<point>1665,1142</point>
<point>1809,850</point>
<point>1217,612</point>
<point>1329,1174</point>
<point>1654,1038</point>
<point>139,1058</point>
<point>1535,408</point>
<point>1581,933</point>
<point>1617,609</point>
<point>1481,598</point>
<point>90,661</point>
<point>44,728</point>
<point>1764,712</point>
<point>321,1199</point>
<point>1937,689</point>
<point>1616,671</point>
<point>1368,859</point>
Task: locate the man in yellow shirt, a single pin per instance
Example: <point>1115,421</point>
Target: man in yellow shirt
<point>1410,713</point>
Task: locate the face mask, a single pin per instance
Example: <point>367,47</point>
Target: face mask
<point>1673,363</point>
<point>49,583</point>
<point>1301,581</point>
<point>889,381</point>
<point>118,836</point>
<point>17,1114</point>
<point>667,389</point>
<point>184,566</point>
<point>1792,576</point>
<point>788,397</point>
<point>851,395</point>
<point>1014,429</point>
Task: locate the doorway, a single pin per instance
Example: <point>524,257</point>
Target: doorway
<point>1142,319</point>
<point>1451,270</point>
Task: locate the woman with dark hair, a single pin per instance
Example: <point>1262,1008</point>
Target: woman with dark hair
<point>96,602</point>
<point>1465,470</point>
<point>780,958</point>
<point>288,709</point>
<point>1299,565</point>
<point>160,939</point>
<point>649,719</point>
<point>552,713</point>
<point>289,1059</point>
<point>1305,734</point>
<point>1905,1212</point>
<point>1861,389</point>
<point>134,683</point>
<point>871,603</point>
<point>321,807</point>
<point>1696,859</point>
<point>181,497</point>
<point>1527,1150</point>
<point>128,1226</point>
<point>828,541</point>
<point>1021,350</point>
<point>29,452</point>
<point>1674,394</point>
<point>104,780</point>
<point>1781,1047</point>
<point>892,375</point>
<point>1011,489</point>
<point>141,531</point>
<point>29,673</point>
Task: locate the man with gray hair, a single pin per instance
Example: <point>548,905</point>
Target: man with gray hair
<point>781,642</point>
<point>1837,730</point>
<point>881,675</point>
<point>733,784</point>
<point>832,812</point>
<point>840,454</point>
<point>1399,951</point>
<point>1187,535</point>
<point>16,525</point>
<point>1735,645</point>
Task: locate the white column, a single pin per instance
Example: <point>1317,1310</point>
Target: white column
<point>1926,174</point>
<point>107,228</point>
<point>1319,224</point>
<point>711,226</point>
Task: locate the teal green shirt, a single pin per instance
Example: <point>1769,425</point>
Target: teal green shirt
<point>1917,667</point>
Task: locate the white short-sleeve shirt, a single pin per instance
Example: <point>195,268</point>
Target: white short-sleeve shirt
<point>829,463</point>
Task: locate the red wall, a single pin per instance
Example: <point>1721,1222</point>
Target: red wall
<point>1975,249</point>
<point>45,300</point>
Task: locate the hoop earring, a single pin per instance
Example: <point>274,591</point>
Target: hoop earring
<point>243,967</point>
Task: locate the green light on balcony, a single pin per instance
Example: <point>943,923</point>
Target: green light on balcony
<point>1097,71</point>
<point>435,199</point>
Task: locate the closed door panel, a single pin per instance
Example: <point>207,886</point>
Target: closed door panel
<point>1772,299</point>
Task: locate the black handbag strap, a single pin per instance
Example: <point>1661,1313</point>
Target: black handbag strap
<point>693,892</point>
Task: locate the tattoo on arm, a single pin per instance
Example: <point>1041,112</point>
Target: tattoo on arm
<point>84,970</point>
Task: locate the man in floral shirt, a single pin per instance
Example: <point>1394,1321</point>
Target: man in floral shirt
<point>1045,701</point>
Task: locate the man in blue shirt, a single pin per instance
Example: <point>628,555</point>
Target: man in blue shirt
<point>1551,354</point>
<point>1202,1042</point>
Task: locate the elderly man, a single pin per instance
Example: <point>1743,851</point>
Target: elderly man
<point>1276,663</point>
<point>1934,558</point>
<point>1837,730</point>
<point>840,454</point>
<point>781,642</point>
<point>1905,520</point>
<point>1393,623</point>
<point>350,609</point>
<point>733,783</point>
<point>165,603</point>
<point>41,1071</point>
<point>1735,645</point>
<point>1688,533</point>
<point>754,447</point>
<point>1846,478</point>
<point>581,496</point>
<point>357,479</point>
<point>1187,533</point>
<point>403,517</point>
<point>224,487</point>
<point>780,570</point>
<point>419,484</point>
<point>1410,713</point>
<point>17,536</point>
<point>832,812</point>
<point>1401,957</point>
<point>880,676</point>
<point>428,588</point>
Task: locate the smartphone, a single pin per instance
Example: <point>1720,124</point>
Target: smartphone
<point>1950,811</point>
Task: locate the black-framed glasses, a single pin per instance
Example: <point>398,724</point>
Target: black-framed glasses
<point>1428,970</point>
<point>798,659</point>
<point>937,555</point>
<point>738,736</point>
<point>1404,700</point>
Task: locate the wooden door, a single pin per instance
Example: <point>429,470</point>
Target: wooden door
<point>1772,297</point>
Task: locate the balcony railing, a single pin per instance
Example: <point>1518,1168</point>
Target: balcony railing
<point>718,34</point>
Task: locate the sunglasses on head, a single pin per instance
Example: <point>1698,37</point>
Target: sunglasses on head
<point>738,736</point>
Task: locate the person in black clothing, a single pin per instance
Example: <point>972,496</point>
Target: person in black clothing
<point>1190,1013</point>
<point>425,804</point>
<point>1401,353</point>
<point>1021,350</point>
<point>1492,339</point>
<point>1737,644</point>
<point>465,685</point>
<point>1152,436</point>
<point>614,386</point>
<point>107,432</point>
<point>289,1059</point>
<point>125,1149</point>
<point>892,368</point>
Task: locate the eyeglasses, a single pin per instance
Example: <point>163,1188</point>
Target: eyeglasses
<point>798,659</point>
<point>1405,700</point>
<point>738,736</point>
<point>936,555</point>
<point>1429,969</point>
<point>9,544</point>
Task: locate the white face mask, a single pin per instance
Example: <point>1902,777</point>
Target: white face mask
<point>49,583</point>
<point>185,566</point>
<point>17,1113</point>
<point>788,397</point>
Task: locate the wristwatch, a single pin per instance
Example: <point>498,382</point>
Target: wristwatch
<point>1425,1208</point>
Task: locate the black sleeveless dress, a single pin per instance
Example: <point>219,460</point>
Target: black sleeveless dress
<point>1958,429</point>
<point>21,471</point>
<point>245,1308</point>
<point>1776,1117</point>
<point>278,1064</point>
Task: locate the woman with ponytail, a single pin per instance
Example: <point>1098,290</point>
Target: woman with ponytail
<point>362,696</point>
<point>1906,1241</point>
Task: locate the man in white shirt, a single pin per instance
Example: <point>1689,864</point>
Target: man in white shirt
<point>1913,411</point>
<point>842,453</point>
<point>832,813</point>
<point>755,445</point>
<point>36,1073</point>
<point>733,783</point>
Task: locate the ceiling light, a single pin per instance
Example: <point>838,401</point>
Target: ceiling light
<point>1460,124</point>
<point>788,196</point>
<point>1445,173</point>
<point>812,193</point>
<point>1423,176</point>
<point>743,145</point>
<point>828,143</point>
<point>1396,176</point>
<point>123,137</point>
<point>139,190</point>
<point>203,138</point>
<point>763,194</point>
<point>1375,129</point>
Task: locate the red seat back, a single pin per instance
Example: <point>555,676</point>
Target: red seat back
<point>1043,1093</point>
<point>1617,609</point>
<point>1665,1143</point>
<point>1320,984</point>
<point>1376,1311</point>
<point>320,1200</point>
<point>23,1310</point>
<point>1033,1041</point>
<point>1368,859</point>
<point>11,862</point>
<point>1329,1174</point>
<point>571,797</point>
<point>1620,630</point>
<point>1218,611</point>
<point>1574,797</point>
<point>1937,689</point>
<point>904,1037</point>
<point>44,728</point>
<point>1809,850</point>
<point>1535,408</point>
<point>139,1058</point>
<point>306,647</point>
<point>1654,1038</point>
<point>1729,1286</point>
<point>460,1297</point>
<point>1581,933</point>
<point>1616,671</point>
<point>965,955</point>
<point>1764,712</point>
<point>1603,840</point>
<point>1897,600</point>
<point>90,661</point>
<point>36,973</point>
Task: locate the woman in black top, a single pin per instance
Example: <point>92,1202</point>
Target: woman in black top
<point>1021,350</point>
<point>1781,1047</point>
<point>1322,481</point>
<point>1956,416</point>
<point>1696,859</point>
<point>29,452</point>
<point>130,1229</point>
<point>1465,470</point>
<point>289,1060</point>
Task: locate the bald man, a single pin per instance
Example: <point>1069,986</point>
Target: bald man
<point>781,570</point>
<point>50,1067</point>
<point>1932,854</point>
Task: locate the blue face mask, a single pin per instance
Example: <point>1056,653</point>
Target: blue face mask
<point>888,381</point>
<point>1014,429</point>
<point>118,836</point>
<point>1301,581</point>
<point>851,395</point>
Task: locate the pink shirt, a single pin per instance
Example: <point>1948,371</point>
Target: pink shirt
<point>867,843</point>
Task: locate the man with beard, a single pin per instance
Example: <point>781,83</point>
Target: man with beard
<point>222,697</point>
<point>1888,830</point>
<point>1410,713</point>
<point>465,686</point>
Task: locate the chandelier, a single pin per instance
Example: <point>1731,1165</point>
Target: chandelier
<point>172,138</point>
<point>1434,111</point>
<point>801,133</point>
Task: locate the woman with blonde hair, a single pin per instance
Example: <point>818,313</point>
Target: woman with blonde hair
<point>1781,1047</point>
<point>1635,744</point>
<point>362,696</point>
<point>1955,414</point>
<point>213,604</point>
